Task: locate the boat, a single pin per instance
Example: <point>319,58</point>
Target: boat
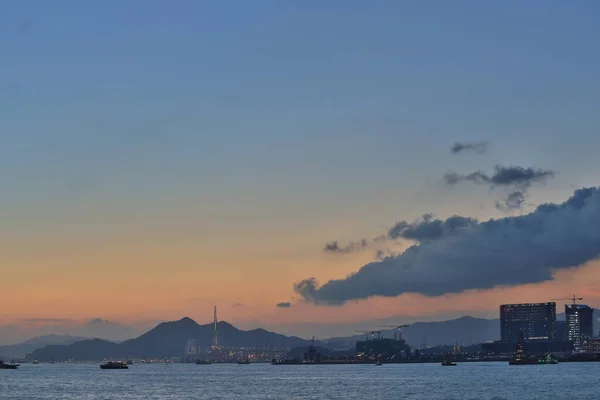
<point>244,362</point>
<point>447,362</point>
<point>129,362</point>
<point>549,359</point>
<point>203,362</point>
<point>35,362</point>
<point>8,366</point>
<point>114,365</point>
<point>379,363</point>
<point>521,357</point>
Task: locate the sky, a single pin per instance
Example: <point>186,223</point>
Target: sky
<point>158,158</point>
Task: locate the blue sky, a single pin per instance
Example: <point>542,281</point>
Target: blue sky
<point>240,112</point>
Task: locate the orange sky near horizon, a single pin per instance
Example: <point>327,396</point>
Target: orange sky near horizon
<point>151,267</point>
<point>147,284</point>
<point>158,163</point>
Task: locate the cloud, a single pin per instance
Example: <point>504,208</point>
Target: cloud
<point>428,228</point>
<point>503,176</point>
<point>334,247</point>
<point>516,180</point>
<point>481,255</point>
<point>284,305</point>
<point>478,147</point>
<point>513,201</point>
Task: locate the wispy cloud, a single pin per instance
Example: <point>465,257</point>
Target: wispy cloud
<point>478,147</point>
<point>515,179</point>
<point>334,247</point>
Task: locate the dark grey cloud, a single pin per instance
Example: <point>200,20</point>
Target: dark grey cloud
<point>514,179</point>
<point>334,247</point>
<point>428,228</point>
<point>513,201</point>
<point>478,147</point>
<point>503,176</point>
<point>482,255</point>
<point>284,304</point>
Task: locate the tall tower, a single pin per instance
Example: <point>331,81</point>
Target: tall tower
<point>579,324</point>
<point>215,341</point>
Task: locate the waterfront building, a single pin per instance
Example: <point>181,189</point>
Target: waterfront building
<point>537,321</point>
<point>579,323</point>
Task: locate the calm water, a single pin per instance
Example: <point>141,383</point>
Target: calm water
<point>263,381</point>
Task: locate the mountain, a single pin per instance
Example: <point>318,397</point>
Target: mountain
<point>167,339</point>
<point>466,330</point>
<point>15,332</point>
<point>22,349</point>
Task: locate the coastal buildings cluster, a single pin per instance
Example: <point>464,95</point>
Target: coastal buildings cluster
<point>538,324</point>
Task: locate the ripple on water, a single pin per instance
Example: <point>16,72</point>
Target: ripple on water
<point>476,381</point>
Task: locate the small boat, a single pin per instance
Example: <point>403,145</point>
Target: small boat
<point>8,366</point>
<point>114,365</point>
<point>129,362</point>
<point>379,363</point>
<point>549,359</point>
<point>244,362</point>
<point>35,362</point>
<point>448,363</point>
<point>203,362</point>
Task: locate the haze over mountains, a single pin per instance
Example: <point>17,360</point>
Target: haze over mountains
<point>28,346</point>
<point>17,332</point>
<point>168,339</point>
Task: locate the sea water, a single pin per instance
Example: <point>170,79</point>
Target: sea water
<point>490,380</point>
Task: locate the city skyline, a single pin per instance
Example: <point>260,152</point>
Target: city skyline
<point>188,155</point>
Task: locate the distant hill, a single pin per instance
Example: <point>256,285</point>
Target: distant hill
<point>466,330</point>
<point>167,339</point>
<point>22,349</point>
<point>15,332</point>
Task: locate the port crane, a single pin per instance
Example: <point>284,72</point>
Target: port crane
<point>574,299</point>
<point>372,333</point>
<point>399,327</point>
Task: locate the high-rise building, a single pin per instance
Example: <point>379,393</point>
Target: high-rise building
<point>579,323</point>
<point>536,320</point>
<point>215,341</point>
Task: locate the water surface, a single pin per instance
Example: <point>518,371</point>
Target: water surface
<point>263,381</point>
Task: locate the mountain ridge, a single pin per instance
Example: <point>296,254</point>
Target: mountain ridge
<point>167,339</point>
<point>22,349</point>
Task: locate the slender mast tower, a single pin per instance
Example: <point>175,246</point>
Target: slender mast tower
<point>215,341</point>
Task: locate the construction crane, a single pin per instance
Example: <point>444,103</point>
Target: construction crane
<point>399,327</point>
<point>372,333</point>
<point>574,299</point>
